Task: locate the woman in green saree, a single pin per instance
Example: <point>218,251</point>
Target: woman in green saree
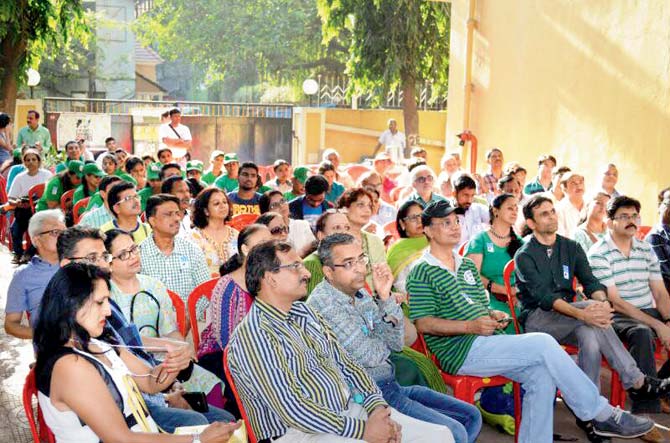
<point>402,254</point>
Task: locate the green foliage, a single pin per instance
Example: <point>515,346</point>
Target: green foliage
<point>390,40</point>
<point>29,29</point>
<point>236,43</point>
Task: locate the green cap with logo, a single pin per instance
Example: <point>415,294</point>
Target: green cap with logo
<point>16,153</point>
<point>301,173</point>
<point>154,171</point>
<point>230,158</point>
<point>93,169</point>
<point>195,165</point>
<point>76,167</point>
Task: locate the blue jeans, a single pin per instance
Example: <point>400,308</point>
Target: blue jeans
<point>463,419</point>
<point>170,418</point>
<point>537,362</point>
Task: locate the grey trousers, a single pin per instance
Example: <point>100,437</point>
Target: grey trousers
<point>593,342</point>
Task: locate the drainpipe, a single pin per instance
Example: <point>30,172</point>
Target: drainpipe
<point>466,135</point>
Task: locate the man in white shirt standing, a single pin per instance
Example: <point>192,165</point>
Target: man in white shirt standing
<point>571,209</point>
<point>391,137</point>
<point>174,135</point>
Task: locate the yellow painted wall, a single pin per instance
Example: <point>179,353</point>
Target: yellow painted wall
<point>587,81</point>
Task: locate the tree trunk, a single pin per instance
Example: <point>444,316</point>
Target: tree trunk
<point>410,111</point>
<point>10,59</point>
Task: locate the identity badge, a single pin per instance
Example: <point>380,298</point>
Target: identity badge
<point>489,247</point>
<point>184,262</point>
<point>566,272</point>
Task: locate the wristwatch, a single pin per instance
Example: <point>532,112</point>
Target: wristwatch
<point>196,438</point>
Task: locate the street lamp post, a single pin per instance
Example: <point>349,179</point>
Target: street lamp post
<point>33,80</point>
<point>310,87</point>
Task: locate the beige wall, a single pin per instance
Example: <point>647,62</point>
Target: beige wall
<point>587,81</point>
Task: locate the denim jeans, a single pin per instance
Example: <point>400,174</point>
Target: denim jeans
<point>463,419</point>
<point>537,362</point>
<point>170,418</point>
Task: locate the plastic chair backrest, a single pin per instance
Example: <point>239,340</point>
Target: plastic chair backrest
<point>241,221</point>
<point>79,209</point>
<point>461,249</point>
<point>390,228</point>
<point>511,300</point>
<point>34,194</point>
<point>202,290</point>
<point>179,308</point>
<point>66,200</point>
<point>30,391</point>
<point>231,383</point>
<point>642,232</point>
<point>356,171</point>
<point>3,190</point>
<point>395,192</point>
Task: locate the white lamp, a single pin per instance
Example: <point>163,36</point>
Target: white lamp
<point>33,80</point>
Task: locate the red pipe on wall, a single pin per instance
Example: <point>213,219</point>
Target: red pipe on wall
<point>467,136</point>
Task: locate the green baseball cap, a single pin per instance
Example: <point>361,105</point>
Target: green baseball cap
<point>301,173</point>
<point>195,165</point>
<point>93,169</point>
<point>154,171</point>
<point>76,167</point>
<point>230,158</point>
<point>16,153</point>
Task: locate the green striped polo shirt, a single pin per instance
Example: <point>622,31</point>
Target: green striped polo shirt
<point>435,291</point>
<point>631,275</point>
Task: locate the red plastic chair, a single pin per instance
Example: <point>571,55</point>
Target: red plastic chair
<point>202,290</point>
<point>30,391</point>
<point>178,304</point>
<point>461,249</point>
<point>231,383</point>
<point>642,232</point>
<point>79,209</point>
<point>394,195</point>
<point>617,391</point>
<point>66,200</point>
<point>34,194</point>
<point>465,386</point>
<point>356,171</point>
<point>391,229</point>
<point>241,221</point>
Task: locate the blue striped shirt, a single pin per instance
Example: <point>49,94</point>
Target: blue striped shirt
<point>291,372</point>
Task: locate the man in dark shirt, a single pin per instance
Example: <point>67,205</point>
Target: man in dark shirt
<point>311,205</point>
<point>546,266</point>
<point>245,199</point>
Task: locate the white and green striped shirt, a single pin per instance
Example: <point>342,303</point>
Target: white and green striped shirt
<point>631,275</point>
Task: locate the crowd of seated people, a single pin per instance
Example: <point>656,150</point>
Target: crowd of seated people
<point>324,281</point>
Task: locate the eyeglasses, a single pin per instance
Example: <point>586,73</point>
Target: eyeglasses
<point>126,254</point>
<point>424,179</point>
<point>412,218</point>
<point>362,260</point>
<point>627,217</point>
<point>446,223</point>
<point>94,258</point>
<point>128,198</point>
<point>340,228</point>
<point>293,267</point>
<point>278,203</point>
<point>52,232</point>
<point>279,230</point>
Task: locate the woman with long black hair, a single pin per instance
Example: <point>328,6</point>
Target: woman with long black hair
<point>88,383</point>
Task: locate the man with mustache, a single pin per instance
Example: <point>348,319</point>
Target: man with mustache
<point>177,186</point>
<point>295,380</point>
<point>546,266</point>
<point>630,271</point>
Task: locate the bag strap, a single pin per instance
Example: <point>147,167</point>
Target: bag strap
<point>174,130</point>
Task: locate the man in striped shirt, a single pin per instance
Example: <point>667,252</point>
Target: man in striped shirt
<point>630,271</point>
<point>295,380</point>
<point>450,307</point>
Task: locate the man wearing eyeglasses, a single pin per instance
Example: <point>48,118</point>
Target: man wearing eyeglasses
<point>546,268</point>
<point>630,271</point>
<point>124,203</point>
<point>370,329</point>
<point>423,179</point>
<point>295,380</point>
<point>450,307</point>
<point>27,286</point>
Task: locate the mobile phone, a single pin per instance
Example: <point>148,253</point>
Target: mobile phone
<point>197,401</point>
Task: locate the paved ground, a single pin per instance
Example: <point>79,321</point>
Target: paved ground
<point>16,355</point>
